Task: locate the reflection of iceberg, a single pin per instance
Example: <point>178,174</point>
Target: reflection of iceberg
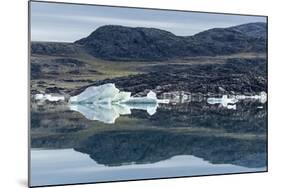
<point>108,113</point>
<point>231,107</point>
<point>106,103</point>
<point>224,101</point>
<point>149,107</point>
<point>104,113</point>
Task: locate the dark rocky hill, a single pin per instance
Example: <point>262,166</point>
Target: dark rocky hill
<point>125,43</point>
<point>257,30</point>
<point>113,42</point>
<point>243,38</point>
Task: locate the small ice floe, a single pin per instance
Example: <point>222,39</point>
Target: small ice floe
<point>106,103</point>
<point>224,101</point>
<point>177,97</point>
<point>48,97</point>
<point>149,98</point>
<point>262,97</point>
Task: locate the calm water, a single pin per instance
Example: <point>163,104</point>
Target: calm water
<point>78,144</point>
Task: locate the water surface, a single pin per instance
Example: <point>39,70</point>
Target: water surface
<point>184,139</point>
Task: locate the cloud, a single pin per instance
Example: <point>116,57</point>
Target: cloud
<point>66,25</point>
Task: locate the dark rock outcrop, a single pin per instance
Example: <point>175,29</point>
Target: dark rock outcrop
<point>242,76</point>
<point>53,67</point>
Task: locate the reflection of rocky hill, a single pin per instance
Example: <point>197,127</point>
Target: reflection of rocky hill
<point>206,131</point>
<point>114,148</point>
<point>121,147</point>
<point>56,118</point>
<point>248,118</point>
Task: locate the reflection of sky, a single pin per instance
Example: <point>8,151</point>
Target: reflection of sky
<point>68,166</point>
<point>65,22</point>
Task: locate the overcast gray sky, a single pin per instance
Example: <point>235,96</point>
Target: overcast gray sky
<point>67,22</point>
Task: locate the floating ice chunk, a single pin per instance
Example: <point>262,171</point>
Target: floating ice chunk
<point>262,97</point>
<point>54,98</point>
<point>224,101</point>
<point>177,96</point>
<point>150,98</point>
<point>48,97</point>
<point>151,95</point>
<point>39,96</point>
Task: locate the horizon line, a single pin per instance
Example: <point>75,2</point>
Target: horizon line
<point>55,41</point>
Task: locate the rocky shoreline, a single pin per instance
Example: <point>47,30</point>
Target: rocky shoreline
<point>236,76</point>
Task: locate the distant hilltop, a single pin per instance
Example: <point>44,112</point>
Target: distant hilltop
<point>113,42</point>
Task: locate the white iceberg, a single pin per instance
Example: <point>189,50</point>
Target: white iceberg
<point>108,93</point>
<point>96,94</point>
<point>150,98</point>
<point>106,103</point>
